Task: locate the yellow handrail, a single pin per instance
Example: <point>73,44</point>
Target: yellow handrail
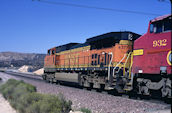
<point>131,65</point>
<point>126,63</point>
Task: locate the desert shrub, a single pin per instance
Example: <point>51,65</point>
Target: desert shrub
<point>23,97</point>
<point>13,89</point>
<point>7,88</point>
<point>85,110</point>
<point>49,104</point>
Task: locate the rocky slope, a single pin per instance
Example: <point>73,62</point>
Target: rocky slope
<point>14,59</point>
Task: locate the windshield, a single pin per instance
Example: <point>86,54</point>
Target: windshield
<point>161,26</point>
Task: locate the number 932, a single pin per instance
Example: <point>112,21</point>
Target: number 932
<point>159,43</point>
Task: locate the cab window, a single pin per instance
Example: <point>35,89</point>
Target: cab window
<point>161,26</point>
<point>167,24</point>
<point>156,27</point>
<point>53,52</point>
<point>49,52</point>
<point>151,28</point>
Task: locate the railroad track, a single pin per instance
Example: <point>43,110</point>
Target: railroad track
<point>26,75</point>
<point>39,78</point>
<point>89,99</point>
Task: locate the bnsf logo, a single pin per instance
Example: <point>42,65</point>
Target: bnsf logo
<point>159,43</point>
<point>169,59</point>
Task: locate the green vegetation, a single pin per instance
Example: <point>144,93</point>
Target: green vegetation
<point>85,110</point>
<point>24,99</point>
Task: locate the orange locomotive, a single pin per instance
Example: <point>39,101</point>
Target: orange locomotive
<point>93,64</point>
<point>123,62</point>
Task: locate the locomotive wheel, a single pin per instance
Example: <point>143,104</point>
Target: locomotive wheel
<point>98,90</point>
<point>44,76</point>
<point>114,92</point>
<point>57,82</point>
<point>51,80</point>
<point>132,94</point>
<point>47,79</point>
<point>167,100</point>
<point>102,86</point>
<point>87,88</point>
<point>91,87</point>
<point>80,87</point>
<point>146,97</point>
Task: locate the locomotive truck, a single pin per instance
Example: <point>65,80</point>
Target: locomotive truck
<point>123,62</point>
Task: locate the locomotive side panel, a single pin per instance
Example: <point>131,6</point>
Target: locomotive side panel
<point>121,50</point>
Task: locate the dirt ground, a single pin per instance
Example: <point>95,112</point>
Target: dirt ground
<point>5,106</point>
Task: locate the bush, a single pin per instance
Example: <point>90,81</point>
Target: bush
<point>48,104</point>
<point>23,97</point>
<point>85,110</point>
<point>13,89</point>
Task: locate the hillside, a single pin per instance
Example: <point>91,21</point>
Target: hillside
<point>14,59</point>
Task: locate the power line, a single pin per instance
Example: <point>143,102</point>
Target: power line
<point>164,1</point>
<point>99,8</point>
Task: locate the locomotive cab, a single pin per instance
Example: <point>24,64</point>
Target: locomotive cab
<point>154,48</point>
<point>152,59</point>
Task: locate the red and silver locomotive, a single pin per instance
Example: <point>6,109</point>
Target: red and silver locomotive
<point>152,58</point>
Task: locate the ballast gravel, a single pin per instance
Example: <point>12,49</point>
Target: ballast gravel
<point>96,102</point>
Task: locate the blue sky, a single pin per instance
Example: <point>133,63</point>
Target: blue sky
<point>34,27</point>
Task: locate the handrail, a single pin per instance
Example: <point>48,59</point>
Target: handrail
<point>109,66</point>
<point>126,63</point>
<point>131,65</point>
<point>118,64</point>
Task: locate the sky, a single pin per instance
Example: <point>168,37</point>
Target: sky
<point>32,26</point>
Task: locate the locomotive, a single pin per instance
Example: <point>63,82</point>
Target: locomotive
<point>123,62</point>
<point>152,59</point>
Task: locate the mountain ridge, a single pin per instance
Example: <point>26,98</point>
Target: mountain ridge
<point>18,59</point>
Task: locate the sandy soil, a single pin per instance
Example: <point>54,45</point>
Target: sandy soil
<point>25,68</point>
<point>39,71</point>
<point>5,106</point>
